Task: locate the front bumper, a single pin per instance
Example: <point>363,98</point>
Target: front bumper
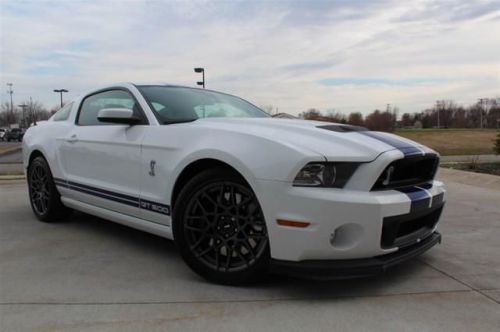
<point>352,268</point>
<point>346,224</point>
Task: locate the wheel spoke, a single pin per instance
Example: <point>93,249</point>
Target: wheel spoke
<point>194,229</point>
<point>248,247</point>
<point>238,253</point>
<point>229,253</point>
<point>204,252</point>
<point>197,243</point>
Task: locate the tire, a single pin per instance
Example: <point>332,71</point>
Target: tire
<point>220,230</point>
<point>45,200</point>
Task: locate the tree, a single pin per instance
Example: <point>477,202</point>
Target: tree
<point>269,109</point>
<point>7,116</point>
<point>35,111</point>
<point>311,114</point>
<point>381,121</point>
<point>356,119</point>
<point>446,109</point>
<point>334,116</point>
<point>406,120</point>
<point>493,116</point>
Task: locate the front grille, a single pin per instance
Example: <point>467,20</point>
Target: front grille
<point>409,171</point>
<point>404,230</point>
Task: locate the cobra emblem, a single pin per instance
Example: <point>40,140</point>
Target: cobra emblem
<point>152,165</point>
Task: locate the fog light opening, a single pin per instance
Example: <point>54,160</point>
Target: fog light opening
<point>346,236</point>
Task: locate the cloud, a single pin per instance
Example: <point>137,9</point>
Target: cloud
<point>340,81</point>
<point>347,55</point>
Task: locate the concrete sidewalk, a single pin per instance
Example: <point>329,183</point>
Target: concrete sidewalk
<point>89,274</point>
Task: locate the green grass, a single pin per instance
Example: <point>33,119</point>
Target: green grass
<point>453,141</point>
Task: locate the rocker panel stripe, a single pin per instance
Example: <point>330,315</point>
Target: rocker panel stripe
<point>114,196</point>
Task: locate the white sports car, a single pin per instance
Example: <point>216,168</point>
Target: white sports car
<point>241,193</point>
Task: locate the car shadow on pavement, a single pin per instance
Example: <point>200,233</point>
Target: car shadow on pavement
<point>411,277</point>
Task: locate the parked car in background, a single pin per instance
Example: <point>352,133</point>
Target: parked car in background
<point>2,133</point>
<point>14,134</point>
<point>241,193</point>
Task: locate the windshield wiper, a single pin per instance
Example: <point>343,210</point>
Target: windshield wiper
<point>173,121</point>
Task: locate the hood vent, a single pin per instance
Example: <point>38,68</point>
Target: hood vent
<point>342,128</point>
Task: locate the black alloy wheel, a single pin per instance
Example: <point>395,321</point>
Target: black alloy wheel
<point>39,188</point>
<point>220,228</point>
<point>44,198</point>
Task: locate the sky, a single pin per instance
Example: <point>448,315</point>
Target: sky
<point>345,55</point>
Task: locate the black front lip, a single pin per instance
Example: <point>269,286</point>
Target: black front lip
<point>352,268</point>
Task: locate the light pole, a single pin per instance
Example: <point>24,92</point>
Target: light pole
<point>32,112</point>
<point>23,106</point>
<point>202,71</point>
<point>61,91</point>
<point>10,92</point>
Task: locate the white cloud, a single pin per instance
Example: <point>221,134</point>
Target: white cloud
<point>268,52</point>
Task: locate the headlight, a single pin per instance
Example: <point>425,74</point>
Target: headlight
<point>333,175</point>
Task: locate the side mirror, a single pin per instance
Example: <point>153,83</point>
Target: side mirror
<point>118,115</point>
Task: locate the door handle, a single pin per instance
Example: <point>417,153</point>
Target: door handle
<point>72,139</point>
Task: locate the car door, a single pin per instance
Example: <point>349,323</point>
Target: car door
<point>102,161</point>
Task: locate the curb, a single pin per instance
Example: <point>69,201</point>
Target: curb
<point>10,151</point>
<point>11,177</point>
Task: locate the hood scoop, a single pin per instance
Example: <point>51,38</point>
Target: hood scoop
<point>342,128</point>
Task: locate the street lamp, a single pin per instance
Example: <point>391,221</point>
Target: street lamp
<point>61,91</point>
<point>202,71</point>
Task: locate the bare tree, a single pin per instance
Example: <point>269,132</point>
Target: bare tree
<point>311,114</point>
<point>269,109</point>
<point>35,112</point>
<point>8,116</point>
<point>381,121</point>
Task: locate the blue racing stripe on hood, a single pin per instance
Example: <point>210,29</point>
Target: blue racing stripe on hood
<point>403,146</point>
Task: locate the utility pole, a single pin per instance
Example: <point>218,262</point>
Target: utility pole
<point>438,108</point>
<point>10,92</point>
<point>481,103</point>
<point>11,103</point>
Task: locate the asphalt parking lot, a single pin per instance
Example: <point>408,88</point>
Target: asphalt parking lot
<point>88,274</point>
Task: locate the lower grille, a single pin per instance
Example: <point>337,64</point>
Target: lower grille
<point>404,230</point>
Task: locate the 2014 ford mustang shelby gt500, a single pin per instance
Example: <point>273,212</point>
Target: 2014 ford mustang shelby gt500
<point>241,193</point>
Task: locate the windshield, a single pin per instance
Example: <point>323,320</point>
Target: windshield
<point>180,104</point>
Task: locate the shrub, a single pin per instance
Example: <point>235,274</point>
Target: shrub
<point>496,146</point>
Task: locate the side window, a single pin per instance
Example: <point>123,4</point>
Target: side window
<point>63,113</point>
<point>108,99</point>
